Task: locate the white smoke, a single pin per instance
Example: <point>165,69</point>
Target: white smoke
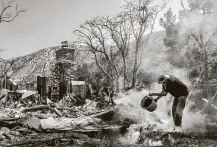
<point>156,62</point>
<point>193,121</point>
<point>159,120</point>
<point>141,116</point>
<point>202,24</point>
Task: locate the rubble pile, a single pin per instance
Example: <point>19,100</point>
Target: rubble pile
<point>32,115</point>
<point>36,121</point>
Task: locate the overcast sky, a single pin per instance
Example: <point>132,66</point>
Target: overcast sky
<point>48,22</point>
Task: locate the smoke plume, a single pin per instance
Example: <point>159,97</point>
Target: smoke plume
<point>155,61</point>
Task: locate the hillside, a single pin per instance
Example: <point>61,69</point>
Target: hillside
<point>26,68</point>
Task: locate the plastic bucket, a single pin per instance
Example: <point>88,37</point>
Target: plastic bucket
<point>148,103</point>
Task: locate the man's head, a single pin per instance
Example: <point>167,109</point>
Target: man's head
<point>162,79</point>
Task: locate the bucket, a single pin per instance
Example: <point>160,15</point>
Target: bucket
<point>148,103</point>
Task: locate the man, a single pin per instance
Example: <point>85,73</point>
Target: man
<point>180,93</point>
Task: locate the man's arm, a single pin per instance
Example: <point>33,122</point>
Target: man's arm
<point>161,94</point>
<point>156,99</point>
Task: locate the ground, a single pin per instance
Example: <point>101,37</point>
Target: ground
<point>109,126</point>
<point>113,139</point>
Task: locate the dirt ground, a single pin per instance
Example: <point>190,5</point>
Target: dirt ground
<point>112,139</point>
<point>107,129</point>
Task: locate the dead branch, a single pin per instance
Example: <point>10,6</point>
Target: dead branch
<point>6,16</point>
<point>141,16</point>
<point>93,37</point>
<point>148,36</point>
<point>182,4</point>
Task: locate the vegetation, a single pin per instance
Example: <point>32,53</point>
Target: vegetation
<point>114,40</point>
<point>7,14</point>
<point>194,33</point>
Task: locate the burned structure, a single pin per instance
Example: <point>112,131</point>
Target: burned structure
<point>42,86</point>
<point>60,81</point>
<point>7,83</point>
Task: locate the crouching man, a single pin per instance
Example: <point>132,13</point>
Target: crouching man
<point>179,91</point>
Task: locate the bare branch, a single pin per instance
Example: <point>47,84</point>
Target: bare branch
<point>8,17</point>
<point>99,66</point>
<point>182,4</point>
<point>148,36</point>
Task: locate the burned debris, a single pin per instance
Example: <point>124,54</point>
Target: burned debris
<point>96,89</point>
<point>55,103</point>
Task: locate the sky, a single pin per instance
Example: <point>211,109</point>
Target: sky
<point>48,22</point>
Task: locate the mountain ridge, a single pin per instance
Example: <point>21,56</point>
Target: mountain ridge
<point>26,68</point>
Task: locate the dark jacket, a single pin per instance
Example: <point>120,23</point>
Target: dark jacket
<point>175,87</point>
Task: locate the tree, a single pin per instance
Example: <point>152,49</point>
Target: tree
<point>118,28</point>
<point>142,16</point>
<point>6,12</point>
<point>109,39</point>
<point>199,21</point>
<point>95,38</point>
<point>204,6</point>
<point>168,22</point>
<point>5,67</point>
<point>173,42</point>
